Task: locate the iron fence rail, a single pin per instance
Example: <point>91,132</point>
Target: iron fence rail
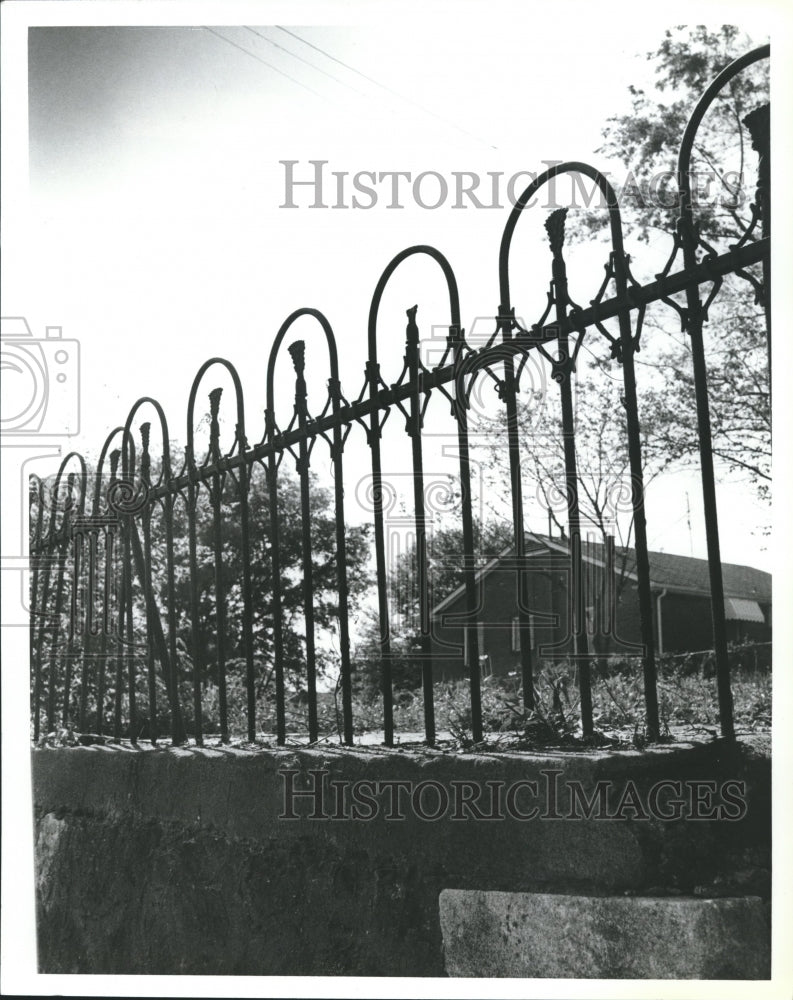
<point>131,523</point>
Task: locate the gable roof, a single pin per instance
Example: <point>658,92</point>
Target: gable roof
<point>668,571</point>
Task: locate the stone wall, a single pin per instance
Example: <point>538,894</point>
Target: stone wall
<point>181,860</point>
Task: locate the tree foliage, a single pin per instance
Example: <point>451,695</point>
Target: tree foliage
<point>232,555</point>
<point>445,564</point>
<point>646,140</point>
<point>324,573</point>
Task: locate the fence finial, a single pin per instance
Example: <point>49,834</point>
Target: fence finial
<point>214,426</point>
<point>145,458</point>
<point>554,226</point>
<point>759,124</point>
<point>297,350</point>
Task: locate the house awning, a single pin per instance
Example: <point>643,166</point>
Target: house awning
<point>737,609</point>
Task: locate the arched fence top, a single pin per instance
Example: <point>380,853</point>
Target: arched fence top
<point>100,465</point>
<point>687,144</point>
<point>333,356</point>
<point>241,440</point>
<point>572,166</point>
<point>68,507</point>
<point>129,469</point>
<point>451,283</point>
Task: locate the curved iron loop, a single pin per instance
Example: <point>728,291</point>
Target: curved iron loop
<point>385,277</point>
<point>562,373</point>
<point>411,361</point>
<point>190,462</point>
<point>122,496</point>
<point>123,500</point>
<point>615,219</point>
<point>59,535</point>
<point>694,319</point>
<point>297,351</point>
<point>689,135</point>
<point>100,465</point>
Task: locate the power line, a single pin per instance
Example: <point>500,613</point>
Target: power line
<point>264,62</point>
<point>307,62</point>
<point>383,86</point>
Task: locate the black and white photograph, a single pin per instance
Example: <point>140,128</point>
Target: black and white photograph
<point>393,546</point>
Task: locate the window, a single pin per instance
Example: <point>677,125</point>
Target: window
<point>516,634</point>
<point>480,637</point>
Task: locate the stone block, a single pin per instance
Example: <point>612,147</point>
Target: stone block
<point>554,936</point>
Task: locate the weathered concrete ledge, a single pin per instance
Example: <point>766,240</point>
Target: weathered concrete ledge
<point>540,936</point>
<point>184,860</point>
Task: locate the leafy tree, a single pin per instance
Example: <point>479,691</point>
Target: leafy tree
<point>290,537</point>
<point>646,140</point>
<point>445,553</point>
<point>604,478</point>
<point>324,574</point>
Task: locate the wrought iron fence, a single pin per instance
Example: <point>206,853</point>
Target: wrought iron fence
<point>98,538</point>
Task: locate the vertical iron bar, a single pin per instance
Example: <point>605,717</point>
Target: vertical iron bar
<point>580,643</point>
<point>74,589</point>
<point>128,471</point>
<point>375,434</point>
<point>34,544</point>
<point>275,558</point>
<point>337,453</point>
<point>297,353</point>
<point>220,608</point>
<point>195,609</point>
<point>693,322</point>
<point>247,597</point>
<point>107,599</point>
<point>130,628</point>
<point>469,565</point>
<point>52,673</point>
<point>145,571</point>
<point>172,675</point>
<point>38,608</point>
<point>631,405</point>
<point>122,603</point>
<point>35,652</point>
<point>69,658</point>
<point>694,326</point>
<point>563,374</point>
<point>89,623</point>
<point>509,396</point>
<point>216,497</point>
<point>414,430</point>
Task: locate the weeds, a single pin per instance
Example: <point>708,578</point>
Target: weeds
<point>686,699</point>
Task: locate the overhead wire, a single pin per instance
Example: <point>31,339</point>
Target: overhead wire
<point>307,62</point>
<point>264,62</point>
<point>383,86</point>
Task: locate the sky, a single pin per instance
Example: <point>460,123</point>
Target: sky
<point>142,191</point>
<point>155,231</point>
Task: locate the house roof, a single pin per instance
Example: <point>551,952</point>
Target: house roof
<point>668,571</point>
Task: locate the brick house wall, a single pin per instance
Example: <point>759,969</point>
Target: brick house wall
<point>686,619</point>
